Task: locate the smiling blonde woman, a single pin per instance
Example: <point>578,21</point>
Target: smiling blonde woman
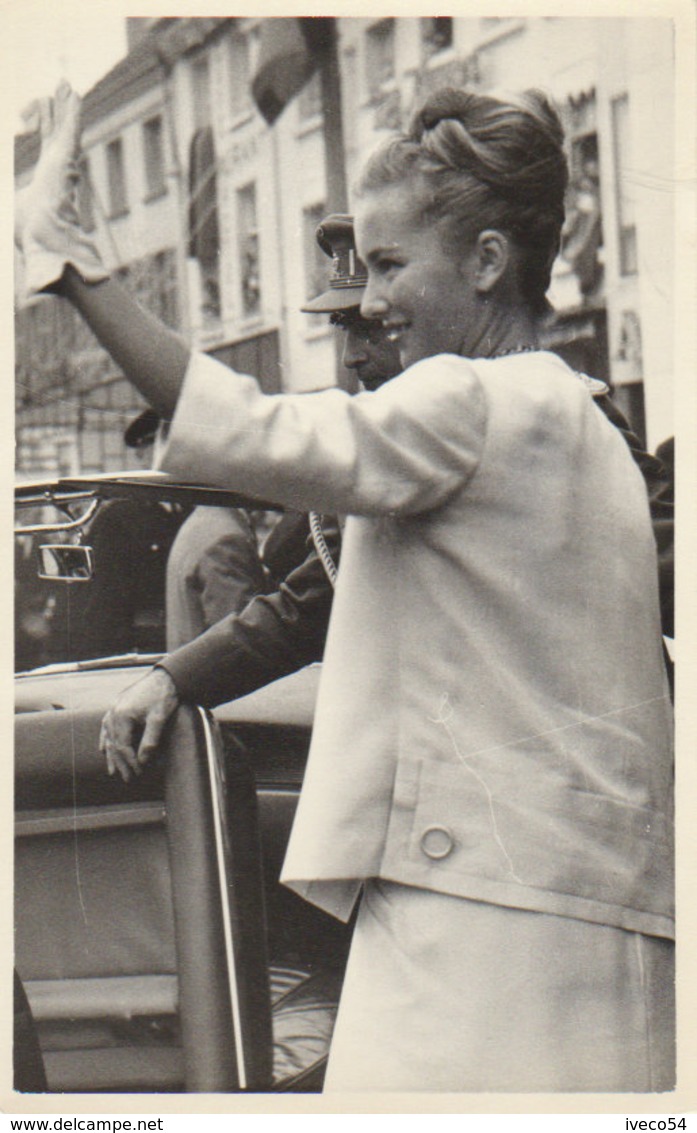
<point>491,767</point>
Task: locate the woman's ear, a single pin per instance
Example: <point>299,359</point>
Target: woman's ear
<point>493,258</point>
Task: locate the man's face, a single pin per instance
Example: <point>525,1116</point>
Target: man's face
<point>367,350</point>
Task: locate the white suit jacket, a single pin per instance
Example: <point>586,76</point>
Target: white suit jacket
<point>493,718</point>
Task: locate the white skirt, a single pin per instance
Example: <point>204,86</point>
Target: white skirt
<point>454,995</point>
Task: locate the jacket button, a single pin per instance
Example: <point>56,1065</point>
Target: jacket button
<point>437,841</point>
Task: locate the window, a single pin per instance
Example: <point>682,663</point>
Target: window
<point>201,93</point>
<point>310,98</point>
<point>317,266</point>
<point>116,177</point>
<point>154,158</point>
<point>436,34</point>
<point>256,355</point>
<point>204,235</point>
<point>582,235</point>
<point>239,75</point>
<point>165,290</point>
<point>626,205</point>
<point>248,244</point>
<point>152,280</point>
<point>380,54</point>
<point>85,196</point>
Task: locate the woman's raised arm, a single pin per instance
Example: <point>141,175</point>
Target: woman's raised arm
<point>151,355</point>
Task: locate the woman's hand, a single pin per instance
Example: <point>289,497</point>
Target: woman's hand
<point>47,226</point>
<point>142,710</point>
<point>58,255</point>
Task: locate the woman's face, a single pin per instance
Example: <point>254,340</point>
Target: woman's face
<point>424,295</point>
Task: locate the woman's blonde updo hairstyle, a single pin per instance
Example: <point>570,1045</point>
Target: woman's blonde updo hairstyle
<point>484,162</point>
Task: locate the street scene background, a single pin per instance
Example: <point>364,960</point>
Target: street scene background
<point>215,145</point>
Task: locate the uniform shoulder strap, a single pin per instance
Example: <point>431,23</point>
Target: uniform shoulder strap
<point>593,385</point>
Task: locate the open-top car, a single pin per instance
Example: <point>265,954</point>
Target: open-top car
<point>154,944</point>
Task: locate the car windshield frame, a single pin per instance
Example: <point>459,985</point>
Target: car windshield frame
<point>67,490</point>
<point>64,507</point>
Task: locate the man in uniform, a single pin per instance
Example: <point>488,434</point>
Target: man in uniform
<point>122,609</point>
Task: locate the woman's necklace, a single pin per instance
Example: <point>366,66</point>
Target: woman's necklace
<point>524,349</point>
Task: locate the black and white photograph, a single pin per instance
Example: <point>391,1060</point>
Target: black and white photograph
<point>350,354</point>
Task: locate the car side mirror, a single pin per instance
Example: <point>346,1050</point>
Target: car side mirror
<point>65,562</point>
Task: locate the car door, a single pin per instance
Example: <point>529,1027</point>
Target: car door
<point>139,922</point>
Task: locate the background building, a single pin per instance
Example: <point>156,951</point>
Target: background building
<point>209,212</point>
<point>72,404</point>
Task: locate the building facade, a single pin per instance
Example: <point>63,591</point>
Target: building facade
<point>72,403</point>
<point>209,213</point>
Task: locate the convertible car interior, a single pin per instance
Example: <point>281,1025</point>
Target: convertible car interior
<point>155,947</point>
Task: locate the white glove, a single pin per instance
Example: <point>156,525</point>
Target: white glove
<point>47,225</point>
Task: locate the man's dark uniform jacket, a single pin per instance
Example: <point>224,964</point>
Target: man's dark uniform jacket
<point>278,633</point>
<point>275,634</point>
